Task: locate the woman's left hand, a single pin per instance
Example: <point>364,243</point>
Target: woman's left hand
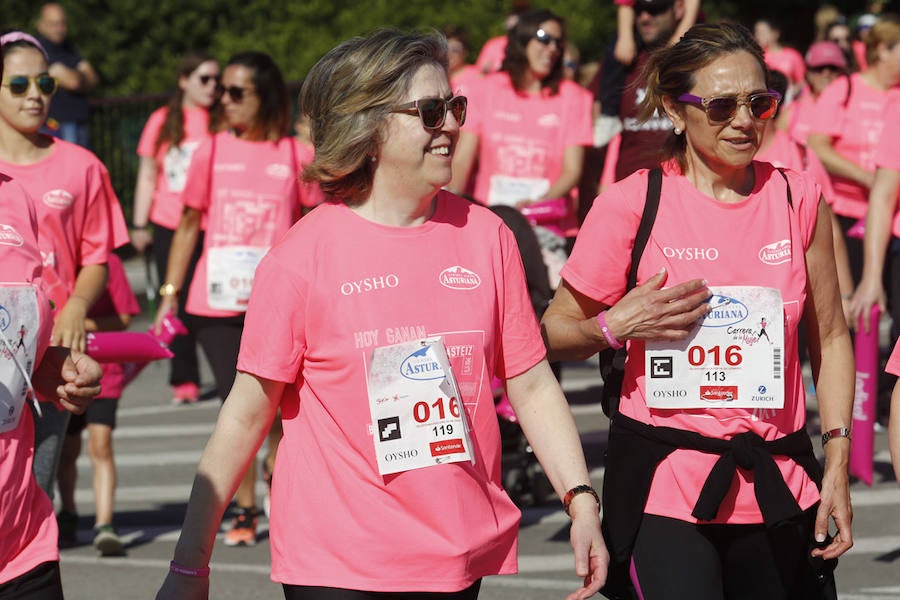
<point>835,504</point>
<point>591,555</point>
<point>68,328</point>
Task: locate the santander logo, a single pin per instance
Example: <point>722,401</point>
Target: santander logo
<point>776,252</point>
<point>9,236</point>
<point>58,199</point>
<point>459,278</point>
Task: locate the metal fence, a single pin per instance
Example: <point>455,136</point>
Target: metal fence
<point>116,125</point>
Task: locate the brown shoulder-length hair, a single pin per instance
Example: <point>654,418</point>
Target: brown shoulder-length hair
<point>348,96</point>
<point>670,71</point>
<point>172,130</point>
<point>515,62</point>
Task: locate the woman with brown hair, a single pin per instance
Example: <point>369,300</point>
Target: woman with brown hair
<point>168,141</point>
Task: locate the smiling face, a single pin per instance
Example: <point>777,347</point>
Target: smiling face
<point>543,57</point>
<point>28,112</point>
<point>412,160</point>
<point>729,146</point>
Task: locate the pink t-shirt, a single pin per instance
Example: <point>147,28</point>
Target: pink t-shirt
<point>171,162</point>
<point>251,198</point>
<point>855,126</point>
<point>493,52</point>
<point>79,216</point>
<point>522,137</point>
<point>788,61</point>
<point>29,534</point>
<point>893,362</point>
<point>694,237</point>
<point>433,529</point>
<point>117,299</point>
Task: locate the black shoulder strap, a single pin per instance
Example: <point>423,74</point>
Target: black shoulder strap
<point>788,183</point>
<point>849,91</point>
<point>654,187</point>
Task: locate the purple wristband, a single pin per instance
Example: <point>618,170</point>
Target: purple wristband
<point>610,338</point>
<point>189,571</point>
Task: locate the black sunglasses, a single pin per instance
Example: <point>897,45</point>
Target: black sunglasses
<point>654,9</point>
<point>18,84</point>
<point>205,79</point>
<point>433,111</point>
<point>235,91</point>
<point>546,39</point>
<point>823,68</point>
<point>721,109</point>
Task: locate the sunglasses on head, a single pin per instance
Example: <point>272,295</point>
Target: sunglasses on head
<point>655,9</point>
<point>546,39</point>
<point>433,111</point>
<point>205,79</point>
<point>236,92</point>
<point>18,84</point>
<point>721,109</point>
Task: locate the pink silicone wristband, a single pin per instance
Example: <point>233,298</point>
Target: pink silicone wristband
<point>189,571</point>
<point>610,338</point>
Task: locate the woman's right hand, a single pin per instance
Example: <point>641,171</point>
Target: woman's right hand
<point>183,587</point>
<point>167,305</point>
<point>867,294</point>
<point>651,312</point>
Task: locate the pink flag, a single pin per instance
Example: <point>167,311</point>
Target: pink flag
<point>862,445</point>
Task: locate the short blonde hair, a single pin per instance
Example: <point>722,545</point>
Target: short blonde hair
<point>348,95</point>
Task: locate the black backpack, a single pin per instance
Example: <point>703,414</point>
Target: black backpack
<point>612,362</point>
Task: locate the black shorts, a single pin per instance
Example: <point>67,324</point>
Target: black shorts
<point>677,560</point>
<point>102,411</point>
<point>311,592</point>
<point>41,583</point>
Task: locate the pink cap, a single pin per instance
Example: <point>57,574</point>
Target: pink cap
<point>825,54</point>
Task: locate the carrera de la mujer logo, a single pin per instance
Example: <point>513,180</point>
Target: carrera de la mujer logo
<point>726,311</point>
<point>421,366</point>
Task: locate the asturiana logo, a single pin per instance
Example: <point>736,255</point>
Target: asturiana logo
<point>5,319</point>
<point>459,278</point>
<point>725,312</point>
<point>421,366</point>
<point>776,252</point>
<point>9,236</point>
<point>58,199</point>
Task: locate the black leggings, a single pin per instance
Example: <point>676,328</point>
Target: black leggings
<point>41,583</point>
<point>311,592</point>
<point>675,560</point>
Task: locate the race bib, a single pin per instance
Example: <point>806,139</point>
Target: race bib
<point>229,275</point>
<point>734,358</point>
<point>19,325</point>
<point>512,190</point>
<point>417,411</point>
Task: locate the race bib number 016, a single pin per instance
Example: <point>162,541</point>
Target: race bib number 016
<point>734,359</point>
<point>417,411</point>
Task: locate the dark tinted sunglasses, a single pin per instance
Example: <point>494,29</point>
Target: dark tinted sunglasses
<point>205,79</point>
<point>657,8</point>
<point>236,92</point>
<point>18,84</point>
<point>546,39</point>
<point>823,68</point>
<point>721,109</point>
<point>433,111</point>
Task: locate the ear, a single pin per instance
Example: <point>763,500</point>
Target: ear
<point>675,112</point>
<point>182,82</point>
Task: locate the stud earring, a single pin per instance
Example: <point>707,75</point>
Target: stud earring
<point>677,131</point>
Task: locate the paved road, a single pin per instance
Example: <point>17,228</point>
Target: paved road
<point>158,446</point>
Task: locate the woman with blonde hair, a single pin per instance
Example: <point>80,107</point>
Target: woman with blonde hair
<point>387,481</point>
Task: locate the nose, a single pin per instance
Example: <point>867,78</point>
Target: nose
<point>742,117</point>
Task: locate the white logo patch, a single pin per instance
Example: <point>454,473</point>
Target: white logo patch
<point>58,199</point>
<point>9,236</point>
<point>459,278</point>
<point>776,252</point>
